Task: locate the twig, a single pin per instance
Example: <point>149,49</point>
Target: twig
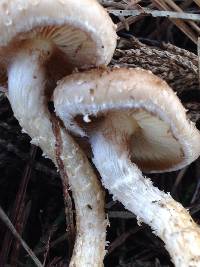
<point>160,4</point>
<point>40,248</point>
<point>193,111</point>
<point>179,69</point>
<point>121,214</point>
<point>179,177</point>
<point>57,261</point>
<point>156,13</point>
<point>54,243</point>
<point>122,238</point>
<point>128,21</point>
<point>8,223</point>
<point>64,177</point>
<point>9,147</point>
<point>17,215</point>
<point>181,52</point>
<point>197,2</point>
<point>47,247</point>
<point>195,197</point>
<point>124,4</point>
<point>19,206</point>
<point>110,3</point>
<point>176,8</point>
<point>198,52</point>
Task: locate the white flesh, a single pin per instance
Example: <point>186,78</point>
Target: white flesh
<point>168,218</point>
<point>26,84</point>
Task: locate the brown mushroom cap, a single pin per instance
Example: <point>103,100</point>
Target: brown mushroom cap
<point>81,30</point>
<point>164,138</point>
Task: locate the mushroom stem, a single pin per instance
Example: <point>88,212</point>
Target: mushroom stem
<point>26,86</point>
<point>168,219</point>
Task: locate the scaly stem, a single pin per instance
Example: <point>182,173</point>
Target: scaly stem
<point>26,82</point>
<point>168,219</point>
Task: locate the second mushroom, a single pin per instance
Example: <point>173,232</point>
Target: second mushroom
<point>134,121</point>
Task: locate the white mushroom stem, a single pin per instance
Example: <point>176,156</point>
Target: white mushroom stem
<point>168,219</point>
<point>26,83</point>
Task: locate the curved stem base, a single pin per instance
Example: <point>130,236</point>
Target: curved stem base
<point>168,219</point>
<point>26,82</point>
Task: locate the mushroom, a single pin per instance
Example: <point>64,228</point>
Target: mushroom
<point>134,121</point>
<point>40,42</point>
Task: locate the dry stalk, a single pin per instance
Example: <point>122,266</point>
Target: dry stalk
<point>167,8</point>
<point>126,4</point>
<point>65,182</point>
<point>197,2</point>
<point>157,13</point>
<point>8,223</point>
<point>123,23</point>
<point>182,25</point>
<point>176,8</point>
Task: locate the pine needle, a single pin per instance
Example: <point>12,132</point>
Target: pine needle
<point>9,224</point>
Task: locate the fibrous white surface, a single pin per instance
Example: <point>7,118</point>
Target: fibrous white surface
<point>167,218</point>
<point>26,85</point>
<point>82,34</point>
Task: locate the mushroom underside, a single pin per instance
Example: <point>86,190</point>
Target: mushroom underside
<point>70,47</point>
<point>153,146</point>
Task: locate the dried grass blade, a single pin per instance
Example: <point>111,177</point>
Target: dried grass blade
<point>64,178</point>
<point>9,224</point>
<point>179,23</point>
<point>197,2</point>
<point>175,7</point>
<point>198,52</point>
<point>157,13</point>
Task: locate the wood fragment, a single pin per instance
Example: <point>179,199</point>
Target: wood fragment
<point>160,4</point>
<point>197,2</point>
<point>198,53</point>
<point>156,13</point>
<point>64,177</point>
<point>19,210</point>
<point>176,8</point>
<point>122,238</point>
<point>178,179</point>
<point>8,223</point>
<point>176,66</point>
